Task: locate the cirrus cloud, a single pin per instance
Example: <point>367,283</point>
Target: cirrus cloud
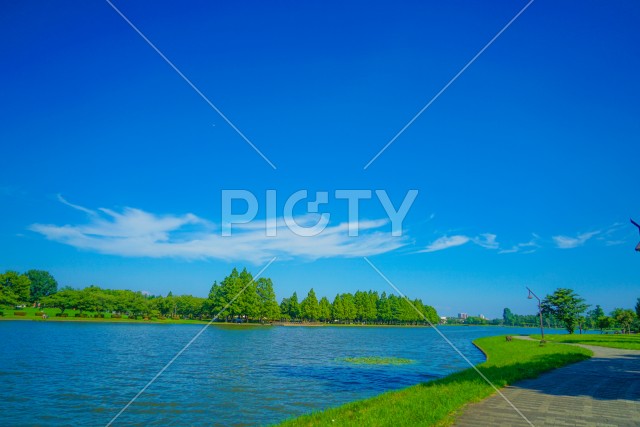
<point>133,232</point>
<point>446,242</point>
<point>566,242</point>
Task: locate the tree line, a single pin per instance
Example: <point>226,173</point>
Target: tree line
<point>258,303</point>
<point>564,307</point>
<point>362,307</point>
<point>238,297</point>
<point>26,288</point>
<point>513,319</point>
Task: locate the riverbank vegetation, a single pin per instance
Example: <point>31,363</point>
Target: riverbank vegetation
<point>237,298</point>
<point>625,341</point>
<point>438,402</point>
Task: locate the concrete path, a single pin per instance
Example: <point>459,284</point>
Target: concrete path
<point>601,391</point>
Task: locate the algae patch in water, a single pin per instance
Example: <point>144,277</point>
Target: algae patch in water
<point>377,360</point>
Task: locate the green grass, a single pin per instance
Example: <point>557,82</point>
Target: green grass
<point>438,402</point>
<point>377,360</point>
<point>629,342</point>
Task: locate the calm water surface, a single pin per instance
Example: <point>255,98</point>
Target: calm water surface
<point>54,373</point>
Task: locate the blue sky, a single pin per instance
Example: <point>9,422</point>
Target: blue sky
<point>526,166</point>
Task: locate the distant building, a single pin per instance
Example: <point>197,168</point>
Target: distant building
<point>443,320</point>
<point>462,316</point>
<point>482,317</point>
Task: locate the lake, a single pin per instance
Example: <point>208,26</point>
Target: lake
<point>68,373</point>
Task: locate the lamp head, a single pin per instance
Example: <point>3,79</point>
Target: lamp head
<point>529,296</point>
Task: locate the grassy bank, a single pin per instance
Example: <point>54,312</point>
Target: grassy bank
<point>629,342</point>
<point>437,402</point>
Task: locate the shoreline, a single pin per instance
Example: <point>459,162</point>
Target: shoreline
<point>218,323</point>
<point>450,395</point>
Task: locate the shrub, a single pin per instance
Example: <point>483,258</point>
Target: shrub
<point>19,313</point>
<point>77,315</point>
<point>62,314</point>
<point>1,313</point>
<point>99,316</point>
<point>39,313</point>
<point>116,316</point>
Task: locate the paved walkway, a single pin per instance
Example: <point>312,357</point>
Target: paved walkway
<point>601,391</point>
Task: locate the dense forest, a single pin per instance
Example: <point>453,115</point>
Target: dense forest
<point>237,298</point>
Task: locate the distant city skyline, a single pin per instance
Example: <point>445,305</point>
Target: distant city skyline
<point>517,126</point>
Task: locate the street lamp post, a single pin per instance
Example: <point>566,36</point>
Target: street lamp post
<point>531,295</point>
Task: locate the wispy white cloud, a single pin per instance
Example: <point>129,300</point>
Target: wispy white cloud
<point>76,207</point>
<point>524,248</point>
<point>486,240</point>
<point>446,242</point>
<point>135,233</point>
<point>616,234</point>
<point>567,242</point>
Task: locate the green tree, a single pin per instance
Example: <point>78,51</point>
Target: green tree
<point>186,306</point>
<point>371,310</point>
<point>42,284</point>
<point>476,320</point>
<point>365,302</point>
<point>284,309</point>
<point>566,306</point>
<point>215,301</point>
<point>247,300</point>
<point>397,309</point>
<point>224,298</point>
<point>593,316</point>
<point>309,307</point>
<point>507,317</point>
<point>269,309</point>
<point>431,314</point>
<point>235,297</point>
<point>166,305</point>
<point>294,307</point>
<point>402,310</point>
<point>348,307</point>
<point>337,310</point>
<point>14,289</point>
<point>324,310</point>
<point>604,322</point>
<point>624,317</point>
<point>62,300</point>
<point>637,307</point>
<point>385,314</point>
<point>85,300</point>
